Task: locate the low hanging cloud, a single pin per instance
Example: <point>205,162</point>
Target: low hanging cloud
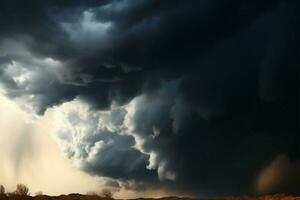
<point>195,96</point>
<point>97,143</point>
<point>280,175</point>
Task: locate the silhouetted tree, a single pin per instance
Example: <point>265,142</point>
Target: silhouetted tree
<point>22,190</point>
<point>106,193</point>
<point>2,189</point>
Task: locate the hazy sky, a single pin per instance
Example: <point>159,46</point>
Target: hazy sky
<point>30,155</point>
<point>150,98</point>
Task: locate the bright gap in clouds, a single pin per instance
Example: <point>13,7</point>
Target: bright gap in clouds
<point>29,155</point>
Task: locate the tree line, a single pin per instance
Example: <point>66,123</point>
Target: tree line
<point>21,190</point>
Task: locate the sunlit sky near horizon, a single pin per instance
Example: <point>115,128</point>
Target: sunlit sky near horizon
<point>32,157</point>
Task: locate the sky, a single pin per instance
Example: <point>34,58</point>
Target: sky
<point>150,98</point>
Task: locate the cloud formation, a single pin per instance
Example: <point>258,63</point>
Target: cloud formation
<point>280,175</point>
<point>197,95</point>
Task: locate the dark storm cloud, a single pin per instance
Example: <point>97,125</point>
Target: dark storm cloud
<point>116,159</point>
<point>97,144</point>
<point>6,80</point>
<point>144,41</point>
<point>214,85</point>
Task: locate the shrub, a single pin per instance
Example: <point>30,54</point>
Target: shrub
<point>22,190</point>
<point>106,193</point>
<point>2,189</point>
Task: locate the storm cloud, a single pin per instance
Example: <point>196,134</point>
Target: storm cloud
<point>197,96</point>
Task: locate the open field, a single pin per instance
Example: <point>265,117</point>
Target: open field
<point>95,197</point>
